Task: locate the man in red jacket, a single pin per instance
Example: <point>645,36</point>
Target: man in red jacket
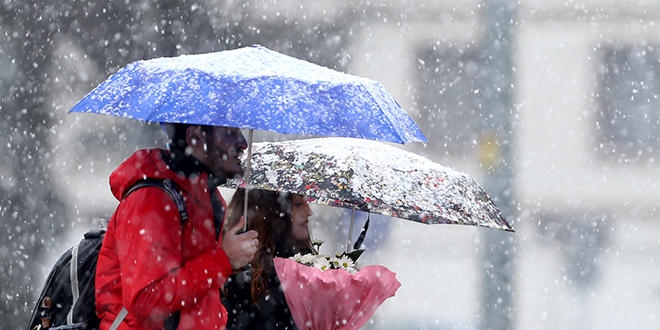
<point>153,266</point>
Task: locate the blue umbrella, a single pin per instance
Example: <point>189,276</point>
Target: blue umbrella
<point>253,88</point>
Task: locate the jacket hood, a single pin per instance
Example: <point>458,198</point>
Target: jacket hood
<point>146,164</point>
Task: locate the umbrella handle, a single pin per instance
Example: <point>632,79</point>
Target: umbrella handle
<point>247,180</point>
<point>350,231</point>
<point>363,233</point>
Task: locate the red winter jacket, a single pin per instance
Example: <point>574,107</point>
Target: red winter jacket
<point>148,264</point>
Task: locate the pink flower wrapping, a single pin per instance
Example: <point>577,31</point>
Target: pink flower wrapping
<point>334,299</point>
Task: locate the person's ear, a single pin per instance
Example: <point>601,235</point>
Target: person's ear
<point>195,136</point>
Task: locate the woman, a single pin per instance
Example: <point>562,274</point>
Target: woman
<point>254,297</point>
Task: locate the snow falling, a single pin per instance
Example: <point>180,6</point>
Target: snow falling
<point>552,106</point>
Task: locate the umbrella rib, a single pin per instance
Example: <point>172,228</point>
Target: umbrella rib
<point>393,121</point>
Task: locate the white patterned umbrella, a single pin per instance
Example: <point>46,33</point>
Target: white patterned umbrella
<point>373,177</point>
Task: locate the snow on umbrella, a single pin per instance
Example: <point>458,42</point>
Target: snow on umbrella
<point>373,177</point>
<point>253,88</point>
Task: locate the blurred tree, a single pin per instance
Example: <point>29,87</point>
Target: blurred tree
<point>110,34</point>
<point>29,208</point>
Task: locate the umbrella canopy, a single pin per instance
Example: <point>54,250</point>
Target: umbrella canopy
<point>373,177</point>
<point>256,88</point>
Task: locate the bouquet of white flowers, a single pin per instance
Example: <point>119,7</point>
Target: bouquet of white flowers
<point>325,293</point>
<point>346,261</point>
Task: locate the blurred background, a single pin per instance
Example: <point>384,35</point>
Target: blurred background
<point>552,105</point>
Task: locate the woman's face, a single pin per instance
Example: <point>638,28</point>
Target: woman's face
<point>300,212</point>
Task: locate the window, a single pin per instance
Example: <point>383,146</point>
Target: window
<point>629,115</point>
<point>451,97</point>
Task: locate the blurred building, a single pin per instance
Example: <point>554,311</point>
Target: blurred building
<point>585,143</point>
<point>586,140</point>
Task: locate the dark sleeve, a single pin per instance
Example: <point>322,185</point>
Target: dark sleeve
<point>273,311</point>
<point>236,297</point>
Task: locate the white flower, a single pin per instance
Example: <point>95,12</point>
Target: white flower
<point>305,259</point>
<point>334,261</point>
<point>346,263</point>
<point>317,244</point>
<point>322,263</point>
<point>340,261</point>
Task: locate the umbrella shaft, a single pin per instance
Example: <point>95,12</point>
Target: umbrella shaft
<point>247,181</point>
<point>350,231</point>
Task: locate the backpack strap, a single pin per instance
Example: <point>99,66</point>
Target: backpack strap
<point>177,196</point>
<point>73,277</point>
<point>169,187</point>
<point>120,317</point>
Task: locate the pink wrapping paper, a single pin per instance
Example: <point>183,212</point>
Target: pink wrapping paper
<point>333,299</point>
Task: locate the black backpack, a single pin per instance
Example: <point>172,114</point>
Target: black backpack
<point>63,304</point>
